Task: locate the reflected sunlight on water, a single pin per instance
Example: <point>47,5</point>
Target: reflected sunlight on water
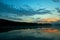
<point>48,33</point>
<point>50,30</point>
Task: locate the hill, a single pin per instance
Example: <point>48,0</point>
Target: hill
<point>6,25</point>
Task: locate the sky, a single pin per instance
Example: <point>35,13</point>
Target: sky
<point>30,10</point>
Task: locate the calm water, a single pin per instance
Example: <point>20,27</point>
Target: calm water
<point>30,34</point>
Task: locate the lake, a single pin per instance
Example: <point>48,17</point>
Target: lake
<point>50,33</point>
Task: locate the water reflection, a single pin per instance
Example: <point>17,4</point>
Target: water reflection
<point>31,34</point>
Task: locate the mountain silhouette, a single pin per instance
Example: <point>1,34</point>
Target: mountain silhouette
<point>6,25</point>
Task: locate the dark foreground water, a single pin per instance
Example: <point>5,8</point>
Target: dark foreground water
<point>29,34</point>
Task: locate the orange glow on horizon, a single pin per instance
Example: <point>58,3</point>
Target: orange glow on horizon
<point>50,30</point>
<point>50,20</point>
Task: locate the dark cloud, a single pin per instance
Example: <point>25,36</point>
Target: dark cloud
<point>30,11</point>
<point>40,9</point>
<point>7,11</point>
<point>56,0</point>
<point>7,8</point>
<point>58,10</point>
<point>28,7</point>
<point>46,12</point>
<point>15,18</point>
<point>4,8</point>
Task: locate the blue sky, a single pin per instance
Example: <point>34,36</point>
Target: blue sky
<point>35,4</point>
<point>29,10</point>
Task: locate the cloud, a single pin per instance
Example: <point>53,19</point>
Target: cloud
<point>40,9</point>
<point>6,11</point>
<point>31,11</point>
<point>56,0</point>
<point>9,12</point>
<point>46,12</point>
<point>7,8</point>
<point>25,10</point>
<point>28,7</point>
<point>58,10</point>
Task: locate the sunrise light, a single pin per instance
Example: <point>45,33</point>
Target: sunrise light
<point>50,30</point>
<point>49,20</point>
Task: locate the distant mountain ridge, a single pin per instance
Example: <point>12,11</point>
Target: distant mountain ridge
<point>13,23</point>
<point>7,25</point>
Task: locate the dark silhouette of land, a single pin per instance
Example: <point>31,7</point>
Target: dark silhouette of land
<point>6,25</point>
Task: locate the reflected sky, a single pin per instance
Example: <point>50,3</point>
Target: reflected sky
<point>27,34</point>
